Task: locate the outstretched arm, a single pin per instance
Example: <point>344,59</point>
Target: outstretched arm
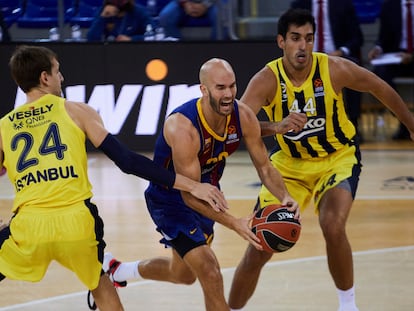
<point>268,174</point>
<point>345,73</point>
<point>133,163</point>
<point>294,122</point>
<point>259,93</point>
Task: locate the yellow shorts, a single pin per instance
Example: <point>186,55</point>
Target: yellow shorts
<point>73,236</point>
<point>311,178</point>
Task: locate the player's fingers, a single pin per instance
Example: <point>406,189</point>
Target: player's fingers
<point>297,214</point>
<point>221,200</point>
<point>220,204</point>
<point>255,242</point>
<point>293,207</point>
<point>250,218</point>
<point>216,199</point>
<point>219,207</point>
<point>289,206</point>
<point>214,205</point>
<point>223,208</point>
<point>253,237</point>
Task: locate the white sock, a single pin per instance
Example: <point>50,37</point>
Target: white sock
<point>236,309</point>
<point>347,299</point>
<point>127,271</point>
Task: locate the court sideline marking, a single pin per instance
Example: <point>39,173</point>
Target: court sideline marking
<point>231,269</point>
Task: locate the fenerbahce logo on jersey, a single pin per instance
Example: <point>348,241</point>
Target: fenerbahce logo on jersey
<point>315,124</point>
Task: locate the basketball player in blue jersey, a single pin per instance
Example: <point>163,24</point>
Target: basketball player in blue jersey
<point>42,145</point>
<point>316,151</point>
<point>196,140</point>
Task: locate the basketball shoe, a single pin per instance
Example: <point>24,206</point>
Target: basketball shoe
<point>109,266</point>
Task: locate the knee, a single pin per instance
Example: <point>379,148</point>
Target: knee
<point>254,260</point>
<point>211,274</point>
<point>185,278</point>
<point>188,280</point>
<point>258,260</point>
<point>332,230</point>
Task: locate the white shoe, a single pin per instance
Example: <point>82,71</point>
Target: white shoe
<point>109,266</point>
<point>106,260</point>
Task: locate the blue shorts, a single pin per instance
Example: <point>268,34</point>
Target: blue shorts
<point>181,227</point>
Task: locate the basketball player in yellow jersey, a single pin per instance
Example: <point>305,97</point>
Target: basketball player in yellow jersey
<point>316,154</point>
<point>42,146</point>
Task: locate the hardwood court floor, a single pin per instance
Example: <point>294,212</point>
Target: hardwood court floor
<point>380,229</point>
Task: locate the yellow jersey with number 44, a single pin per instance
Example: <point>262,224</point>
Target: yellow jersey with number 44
<point>328,128</point>
<point>45,156</point>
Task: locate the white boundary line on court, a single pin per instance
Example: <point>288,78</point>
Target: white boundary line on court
<point>270,264</point>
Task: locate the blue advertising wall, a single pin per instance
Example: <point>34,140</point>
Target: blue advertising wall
<point>134,85</point>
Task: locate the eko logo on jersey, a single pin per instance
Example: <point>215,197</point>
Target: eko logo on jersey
<point>314,125</point>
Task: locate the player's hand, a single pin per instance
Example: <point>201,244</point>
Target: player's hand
<point>292,206</point>
<point>212,195</point>
<point>294,122</point>
<point>243,228</point>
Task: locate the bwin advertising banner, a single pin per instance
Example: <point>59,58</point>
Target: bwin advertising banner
<point>133,86</point>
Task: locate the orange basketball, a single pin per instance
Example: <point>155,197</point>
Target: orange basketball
<point>276,228</point>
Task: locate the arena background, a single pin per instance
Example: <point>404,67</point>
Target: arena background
<point>113,79</point>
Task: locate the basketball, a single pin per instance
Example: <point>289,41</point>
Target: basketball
<point>276,228</point>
